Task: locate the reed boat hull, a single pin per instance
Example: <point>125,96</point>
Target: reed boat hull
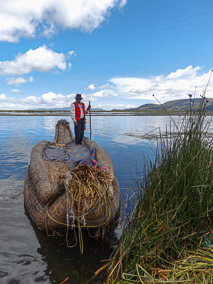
<point>46,200</point>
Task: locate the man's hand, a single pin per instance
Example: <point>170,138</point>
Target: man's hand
<point>75,123</point>
<point>89,107</point>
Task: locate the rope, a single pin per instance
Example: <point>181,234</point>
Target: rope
<point>87,192</point>
<point>74,226</point>
<point>68,179</point>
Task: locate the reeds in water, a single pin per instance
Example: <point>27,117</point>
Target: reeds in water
<point>174,211</point>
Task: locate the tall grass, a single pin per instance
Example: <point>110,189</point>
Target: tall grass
<point>175,206</point>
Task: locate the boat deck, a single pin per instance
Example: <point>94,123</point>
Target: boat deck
<point>70,154</point>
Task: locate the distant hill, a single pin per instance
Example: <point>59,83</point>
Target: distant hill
<point>176,105</point>
<point>97,109</point>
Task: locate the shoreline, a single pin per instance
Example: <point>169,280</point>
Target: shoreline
<point>55,113</point>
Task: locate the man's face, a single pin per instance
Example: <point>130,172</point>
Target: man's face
<point>78,101</point>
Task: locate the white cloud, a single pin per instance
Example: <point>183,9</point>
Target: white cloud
<point>91,87</point>
<point>121,90</point>
<point>116,106</point>
<point>47,100</point>
<point>103,86</point>
<point>131,85</point>
<point>122,3</point>
<point>41,59</point>
<point>102,94</point>
<point>72,52</point>
<point>15,91</point>
<point>50,100</point>
<point>18,80</point>
<point>49,30</point>
<point>20,18</point>
<point>50,97</point>
<point>187,72</point>
<point>176,85</point>
<point>70,65</point>
<point>3,97</point>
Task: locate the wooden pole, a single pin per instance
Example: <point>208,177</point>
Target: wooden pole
<point>90,122</point>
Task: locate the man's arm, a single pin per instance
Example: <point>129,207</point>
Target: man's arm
<point>72,113</point>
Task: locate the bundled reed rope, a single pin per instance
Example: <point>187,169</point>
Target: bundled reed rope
<point>88,198</point>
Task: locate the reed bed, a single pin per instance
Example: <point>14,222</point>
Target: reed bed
<point>194,267</point>
<point>174,212</point>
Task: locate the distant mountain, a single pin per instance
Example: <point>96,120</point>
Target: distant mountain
<point>97,109</point>
<point>176,105</point>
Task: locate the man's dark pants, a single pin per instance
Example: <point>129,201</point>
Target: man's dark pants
<point>79,131</point>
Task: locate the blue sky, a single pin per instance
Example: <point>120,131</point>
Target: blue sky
<point>117,53</point>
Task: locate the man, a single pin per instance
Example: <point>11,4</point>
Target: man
<point>78,115</point>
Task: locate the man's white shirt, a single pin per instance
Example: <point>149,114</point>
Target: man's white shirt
<point>72,111</point>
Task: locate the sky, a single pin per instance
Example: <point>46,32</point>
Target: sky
<point>116,53</point>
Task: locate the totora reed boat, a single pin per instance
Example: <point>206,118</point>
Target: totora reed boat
<point>69,185</point>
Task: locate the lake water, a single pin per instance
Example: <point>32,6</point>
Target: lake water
<point>28,255</point>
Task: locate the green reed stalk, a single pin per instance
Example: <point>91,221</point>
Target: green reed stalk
<point>175,207</point>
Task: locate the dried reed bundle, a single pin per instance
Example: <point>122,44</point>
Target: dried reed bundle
<point>88,193</point>
<point>88,198</point>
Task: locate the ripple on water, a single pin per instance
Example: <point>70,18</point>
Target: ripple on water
<point>19,259</point>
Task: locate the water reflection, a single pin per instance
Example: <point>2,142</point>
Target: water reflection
<point>63,262</point>
<point>49,123</point>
